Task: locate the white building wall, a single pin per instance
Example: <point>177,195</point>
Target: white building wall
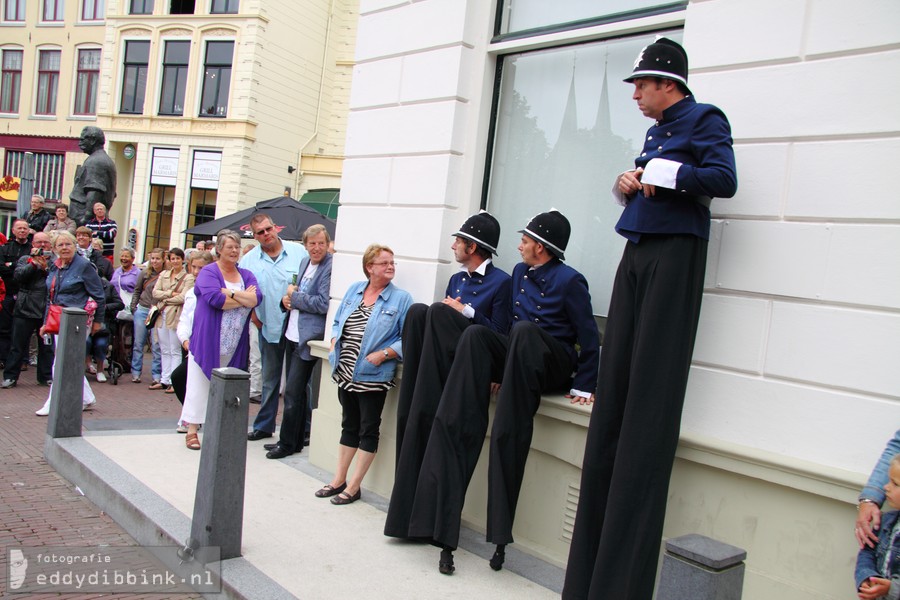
<point>800,323</point>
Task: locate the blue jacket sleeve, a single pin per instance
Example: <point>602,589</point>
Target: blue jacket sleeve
<point>874,488</point>
<point>397,343</point>
<point>716,174</point>
<point>315,302</point>
<point>578,308</point>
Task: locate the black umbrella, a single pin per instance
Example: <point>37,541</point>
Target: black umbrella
<point>291,218</point>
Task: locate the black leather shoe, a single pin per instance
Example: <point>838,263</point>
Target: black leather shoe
<point>343,498</point>
<point>8,383</point>
<point>278,452</point>
<point>269,446</point>
<point>328,491</point>
<point>44,383</point>
<point>255,399</point>
<point>499,557</point>
<point>445,565</point>
<point>257,434</point>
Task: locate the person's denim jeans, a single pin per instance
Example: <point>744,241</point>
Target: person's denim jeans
<point>140,338</point>
<point>272,364</point>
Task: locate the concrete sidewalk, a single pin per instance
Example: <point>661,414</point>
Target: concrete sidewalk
<point>294,544</point>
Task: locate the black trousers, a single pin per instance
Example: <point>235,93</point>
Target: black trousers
<point>460,424</point>
<point>6,325</point>
<point>536,363</point>
<point>361,418</point>
<point>179,380</point>
<point>22,329</point>
<point>296,400</point>
<point>430,337</point>
<point>412,336</point>
<point>633,433</point>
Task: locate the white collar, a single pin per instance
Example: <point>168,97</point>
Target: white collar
<point>481,270</point>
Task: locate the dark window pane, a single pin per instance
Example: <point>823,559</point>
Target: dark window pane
<point>181,7</point>
<point>224,7</point>
<point>137,52</point>
<point>219,53</point>
<point>177,53</point>
<point>141,7</point>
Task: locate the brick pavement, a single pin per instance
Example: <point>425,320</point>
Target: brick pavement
<point>37,506</point>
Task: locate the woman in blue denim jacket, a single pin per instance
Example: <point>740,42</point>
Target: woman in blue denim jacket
<point>365,349</point>
<point>878,569</point>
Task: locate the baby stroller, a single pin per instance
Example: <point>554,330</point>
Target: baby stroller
<point>118,358</point>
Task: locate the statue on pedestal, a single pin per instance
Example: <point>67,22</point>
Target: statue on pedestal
<point>95,180</point>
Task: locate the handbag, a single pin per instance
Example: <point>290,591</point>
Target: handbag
<point>54,313</point>
<point>152,316</point>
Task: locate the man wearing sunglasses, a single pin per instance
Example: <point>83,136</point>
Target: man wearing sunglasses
<point>275,262</point>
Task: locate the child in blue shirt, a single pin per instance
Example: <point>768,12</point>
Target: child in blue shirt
<point>878,568</point>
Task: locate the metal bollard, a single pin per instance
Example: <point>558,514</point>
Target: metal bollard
<point>67,394</point>
<point>219,499</point>
<point>696,567</point>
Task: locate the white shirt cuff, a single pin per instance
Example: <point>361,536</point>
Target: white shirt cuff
<point>579,393</point>
<point>661,172</point>
<point>468,312</point>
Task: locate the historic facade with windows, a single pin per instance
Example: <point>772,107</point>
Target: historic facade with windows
<point>518,106</point>
<point>50,57</point>
<point>214,101</point>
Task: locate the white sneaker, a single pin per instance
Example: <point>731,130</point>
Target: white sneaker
<point>44,410</point>
<point>101,377</point>
<point>88,405</point>
<point>92,369</point>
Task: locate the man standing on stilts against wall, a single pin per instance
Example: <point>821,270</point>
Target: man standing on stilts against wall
<point>687,160</point>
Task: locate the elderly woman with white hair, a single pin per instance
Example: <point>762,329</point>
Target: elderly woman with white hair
<point>225,296</point>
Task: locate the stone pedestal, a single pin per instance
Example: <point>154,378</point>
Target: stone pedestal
<point>219,500</point>
<point>696,567</point>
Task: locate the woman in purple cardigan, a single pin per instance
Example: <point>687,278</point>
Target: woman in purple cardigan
<point>225,296</point>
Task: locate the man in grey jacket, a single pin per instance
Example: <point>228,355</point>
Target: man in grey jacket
<point>307,303</point>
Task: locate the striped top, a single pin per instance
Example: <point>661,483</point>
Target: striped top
<point>351,342</point>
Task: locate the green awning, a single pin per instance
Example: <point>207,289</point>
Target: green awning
<point>325,201</point>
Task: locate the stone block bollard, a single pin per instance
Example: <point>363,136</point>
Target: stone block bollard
<point>219,499</point>
<point>696,567</point>
<point>67,391</point>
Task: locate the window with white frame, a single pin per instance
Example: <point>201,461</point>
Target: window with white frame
<point>86,81</point>
<point>10,79</point>
<point>134,77</point>
<point>140,7</point>
<point>523,15</point>
<point>48,82</point>
<point>224,7</point>
<point>565,127</point>
<point>176,57</point>
<point>92,10</point>
<point>14,11</point>
<point>52,11</point>
<point>216,79</point>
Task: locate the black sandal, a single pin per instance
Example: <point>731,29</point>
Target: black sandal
<point>328,491</point>
<point>499,557</point>
<point>445,565</point>
<point>344,498</point>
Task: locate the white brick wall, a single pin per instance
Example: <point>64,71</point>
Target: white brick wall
<point>796,341</point>
<point>799,331</point>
